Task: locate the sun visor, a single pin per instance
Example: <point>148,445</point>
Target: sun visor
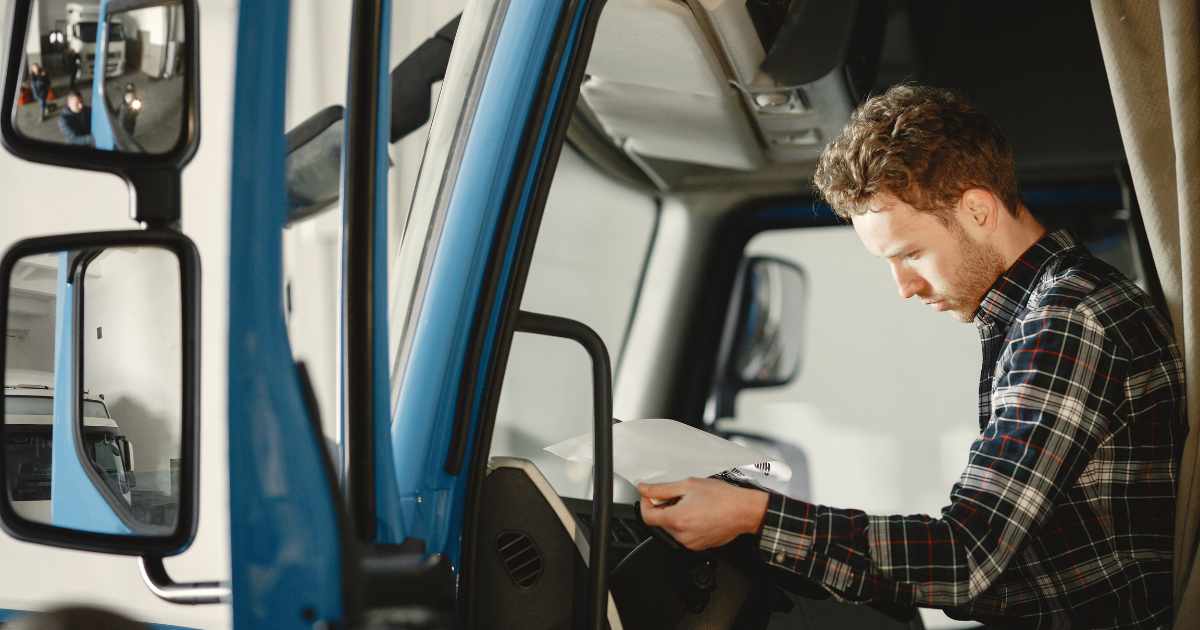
<point>817,37</point>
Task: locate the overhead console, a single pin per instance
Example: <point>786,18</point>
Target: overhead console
<point>730,85</point>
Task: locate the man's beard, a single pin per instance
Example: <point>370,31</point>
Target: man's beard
<point>981,265</point>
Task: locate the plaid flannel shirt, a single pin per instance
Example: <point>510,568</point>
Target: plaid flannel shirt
<point>1065,513</point>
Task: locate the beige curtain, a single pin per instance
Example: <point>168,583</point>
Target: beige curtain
<point>1152,55</point>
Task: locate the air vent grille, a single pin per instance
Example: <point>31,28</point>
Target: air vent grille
<point>521,558</point>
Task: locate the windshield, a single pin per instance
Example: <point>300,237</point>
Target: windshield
<point>86,31</point>
<point>44,406</point>
<point>27,458</point>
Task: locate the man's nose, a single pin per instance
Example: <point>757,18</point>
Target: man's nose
<point>907,282</point>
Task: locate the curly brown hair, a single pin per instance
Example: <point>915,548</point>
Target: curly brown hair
<point>924,145</point>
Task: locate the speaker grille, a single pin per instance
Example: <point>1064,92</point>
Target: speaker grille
<point>521,558</point>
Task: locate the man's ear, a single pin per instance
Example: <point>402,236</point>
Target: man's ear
<point>981,207</point>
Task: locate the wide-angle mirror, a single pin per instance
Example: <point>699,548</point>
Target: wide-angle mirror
<point>95,430</point>
<point>110,75</point>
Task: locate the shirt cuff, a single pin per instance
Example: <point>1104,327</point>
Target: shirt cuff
<point>787,532</point>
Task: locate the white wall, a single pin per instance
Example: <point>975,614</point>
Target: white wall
<point>152,20</point>
<point>133,353</point>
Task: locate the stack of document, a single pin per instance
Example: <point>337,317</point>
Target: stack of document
<point>658,450</point>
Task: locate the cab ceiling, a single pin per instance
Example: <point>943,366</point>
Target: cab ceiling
<point>675,97</point>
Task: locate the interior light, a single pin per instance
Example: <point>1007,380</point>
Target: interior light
<point>801,138</point>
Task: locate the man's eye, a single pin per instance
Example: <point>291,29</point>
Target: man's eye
<point>913,255</point>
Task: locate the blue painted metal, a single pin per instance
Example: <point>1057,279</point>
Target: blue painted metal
<point>74,502</point>
<point>102,133</point>
<point>285,538</point>
<point>12,614</point>
<point>431,500</point>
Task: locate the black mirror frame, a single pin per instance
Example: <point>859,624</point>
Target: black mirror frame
<point>185,526</point>
<point>154,180</point>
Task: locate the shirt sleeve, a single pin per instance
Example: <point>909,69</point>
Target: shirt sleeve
<point>1054,398</point>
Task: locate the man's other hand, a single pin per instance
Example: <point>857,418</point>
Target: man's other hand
<point>709,513</point>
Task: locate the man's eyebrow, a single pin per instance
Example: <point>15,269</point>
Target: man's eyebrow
<point>899,250</point>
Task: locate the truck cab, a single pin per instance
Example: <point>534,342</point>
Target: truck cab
<point>521,224</point>
<point>29,411</point>
<point>82,32</point>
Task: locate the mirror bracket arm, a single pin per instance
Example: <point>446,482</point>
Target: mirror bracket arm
<point>154,574</point>
<point>154,197</point>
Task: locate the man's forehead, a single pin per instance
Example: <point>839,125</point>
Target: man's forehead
<point>887,227</point>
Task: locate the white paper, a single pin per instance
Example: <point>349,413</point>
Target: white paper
<point>658,450</point>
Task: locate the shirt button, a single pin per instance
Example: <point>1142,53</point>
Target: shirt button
<point>780,557</point>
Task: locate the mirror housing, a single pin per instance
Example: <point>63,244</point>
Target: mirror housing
<point>154,178</point>
<point>313,166</point>
<point>157,542</point>
<point>761,344</point>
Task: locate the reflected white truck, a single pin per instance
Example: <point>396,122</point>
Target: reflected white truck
<point>82,33</point>
<point>29,418</point>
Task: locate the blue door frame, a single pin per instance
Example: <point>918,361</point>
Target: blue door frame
<point>288,538</point>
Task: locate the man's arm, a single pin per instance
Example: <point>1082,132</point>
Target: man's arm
<point>1053,403</point>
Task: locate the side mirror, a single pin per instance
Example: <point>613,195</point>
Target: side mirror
<point>116,91</point>
<point>313,166</point>
<point>110,314</point>
<point>762,340</point>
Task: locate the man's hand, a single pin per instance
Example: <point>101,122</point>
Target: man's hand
<point>709,513</point>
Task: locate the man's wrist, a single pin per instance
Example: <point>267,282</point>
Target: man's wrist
<point>755,511</point>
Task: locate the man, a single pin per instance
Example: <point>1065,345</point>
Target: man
<point>76,120</point>
<point>72,66</point>
<point>131,106</point>
<point>39,82</point>
<point>1064,515</point>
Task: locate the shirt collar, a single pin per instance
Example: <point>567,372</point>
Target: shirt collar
<point>1011,290</point>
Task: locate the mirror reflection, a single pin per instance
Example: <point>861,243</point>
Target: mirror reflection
<point>770,331</point>
<point>92,390</point>
<point>119,88</point>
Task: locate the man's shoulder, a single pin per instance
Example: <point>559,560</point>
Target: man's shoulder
<point>1079,285</point>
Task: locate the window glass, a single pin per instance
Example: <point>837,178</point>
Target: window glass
<point>588,261</point>
<point>313,246</point>
<point>44,406</point>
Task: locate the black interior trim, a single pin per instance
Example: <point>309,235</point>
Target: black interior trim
<point>696,364</point>
<point>358,276</point>
<point>602,472</point>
